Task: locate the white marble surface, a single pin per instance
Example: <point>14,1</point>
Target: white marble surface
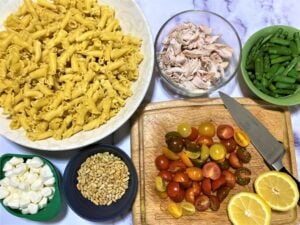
<point>247,16</point>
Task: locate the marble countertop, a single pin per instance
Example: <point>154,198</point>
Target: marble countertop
<point>247,16</point>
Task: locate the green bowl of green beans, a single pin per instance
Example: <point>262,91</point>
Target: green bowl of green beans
<point>270,64</point>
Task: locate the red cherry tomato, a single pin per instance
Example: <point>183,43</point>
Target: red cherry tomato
<point>216,184</point>
<point>196,187</point>
<point>190,195</point>
<point>211,170</point>
<point>176,166</point>
<point>205,140</point>
<point>229,177</point>
<point>193,136</point>
<point>229,144</point>
<point>225,131</point>
<point>175,192</point>
<point>206,186</point>
<point>162,162</point>
<point>166,175</point>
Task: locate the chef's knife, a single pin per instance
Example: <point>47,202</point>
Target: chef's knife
<point>271,150</point>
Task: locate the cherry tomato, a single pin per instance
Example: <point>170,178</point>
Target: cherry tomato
<point>243,155</point>
<point>241,138</point>
<point>175,192</point>
<point>194,173</point>
<point>176,166</point>
<point>171,135</point>
<point>194,134</point>
<point>224,165</point>
<point>229,177</point>
<point>169,154</point>
<point>211,170</point>
<point>207,129</point>
<point>184,129</point>
<point>222,192</point>
<point>225,131</point>
<point>206,186</point>
<point>192,146</point>
<point>196,187</point>
<point>190,195</point>
<point>216,184</point>
<point>202,203</point>
<point>185,159</point>
<point>217,151</point>
<point>205,140</point>
<point>166,175</point>
<point>243,176</point>
<point>229,144</point>
<point>160,184</point>
<point>175,144</point>
<point>175,210</point>
<point>234,161</point>
<point>214,202</point>
<point>181,177</point>
<point>162,162</point>
<point>204,152</point>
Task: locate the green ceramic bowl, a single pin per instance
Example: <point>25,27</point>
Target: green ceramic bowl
<point>54,205</point>
<point>290,100</point>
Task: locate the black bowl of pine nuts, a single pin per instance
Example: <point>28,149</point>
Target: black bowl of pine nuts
<point>100,183</point>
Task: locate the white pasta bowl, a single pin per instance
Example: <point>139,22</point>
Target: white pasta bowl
<point>132,21</point>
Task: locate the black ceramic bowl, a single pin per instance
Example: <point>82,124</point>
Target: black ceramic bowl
<point>84,207</point>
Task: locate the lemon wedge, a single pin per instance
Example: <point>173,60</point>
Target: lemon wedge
<point>278,189</point>
<point>248,208</point>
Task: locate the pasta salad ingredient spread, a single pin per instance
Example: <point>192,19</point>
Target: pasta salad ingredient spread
<point>199,166</point>
<point>65,66</point>
<point>28,185</point>
<point>103,178</point>
<point>192,58</point>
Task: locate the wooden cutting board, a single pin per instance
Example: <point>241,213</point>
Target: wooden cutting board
<point>152,121</point>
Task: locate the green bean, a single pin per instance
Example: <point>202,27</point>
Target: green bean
<point>294,48</point>
<point>280,59</point>
<point>291,65</point>
<point>267,63</point>
<point>272,87</point>
<point>282,85</point>
<point>297,40</point>
<point>293,73</point>
<point>259,67</point>
<point>280,50</point>
<point>288,80</point>
<point>261,87</point>
<point>273,56</point>
<point>284,91</point>
<point>254,51</point>
<point>279,41</point>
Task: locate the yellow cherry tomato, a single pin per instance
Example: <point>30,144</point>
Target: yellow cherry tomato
<point>241,138</point>
<point>169,154</point>
<point>174,209</point>
<point>217,151</point>
<point>185,159</point>
<point>207,129</point>
<point>194,173</point>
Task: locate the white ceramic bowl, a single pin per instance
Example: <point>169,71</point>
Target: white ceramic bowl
<point>132,21</point>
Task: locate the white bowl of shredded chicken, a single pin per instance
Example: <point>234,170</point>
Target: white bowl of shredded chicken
<point>197,52</point>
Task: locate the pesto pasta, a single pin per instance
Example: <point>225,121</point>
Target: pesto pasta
<point>65,67</point>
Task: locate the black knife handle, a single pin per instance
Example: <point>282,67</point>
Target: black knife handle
<point>283,169</point>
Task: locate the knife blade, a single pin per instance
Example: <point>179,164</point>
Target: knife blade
<point>267,145</point>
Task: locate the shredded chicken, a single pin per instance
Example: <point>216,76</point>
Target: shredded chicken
<point>192,58</point>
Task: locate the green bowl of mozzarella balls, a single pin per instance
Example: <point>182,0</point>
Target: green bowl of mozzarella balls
<point>29,187</point>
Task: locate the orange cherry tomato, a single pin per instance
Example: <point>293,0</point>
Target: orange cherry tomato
<point>241,138</point>
<point>194,173</point>
<point>207,129</point>
<point>185,159</point>
<point>205,140</point>
<point>193,136</point>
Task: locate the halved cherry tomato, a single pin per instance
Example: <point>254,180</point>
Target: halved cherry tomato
<point>229,144</point>
<point>229,177</point>
<point>207,129</point>
<point>234,161</point>
<point>162,162</point>
<point>241,138</point>
<point>193,136</point>
<point>190,195</point>
<point>196,187</point>
<point>175,210</point>
<point>166,175</point>
<point>176,166</point>
<point>202,203</point>
<point>205,140</point>
<point>185,159</point>
<point>225,131</point>
<point>217,151</point>
<point>216,184</point>
<point>181,177</point>
<point>175,192</point>
<point>206,186</point>
<point>184,129</point>
<point>194,173</point>
<point>211,170</point>
<point>169,154</point>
